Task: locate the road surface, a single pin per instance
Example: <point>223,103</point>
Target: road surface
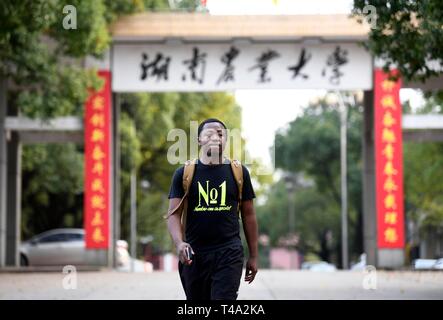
<point>269,284</point>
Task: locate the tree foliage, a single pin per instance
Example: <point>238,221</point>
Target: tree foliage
<point>311,145</point>
<point>423,176</point>
<point>43,61</point>
<point>52,182</point>
<point>407,35</point>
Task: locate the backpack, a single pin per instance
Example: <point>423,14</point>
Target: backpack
<point>188,174</point>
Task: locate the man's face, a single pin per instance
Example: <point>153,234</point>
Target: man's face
<point>212,138</point>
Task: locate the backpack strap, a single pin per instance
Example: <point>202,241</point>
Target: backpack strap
<point>188,173</point>
<point>237,170</point>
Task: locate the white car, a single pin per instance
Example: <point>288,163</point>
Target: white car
<point>307,265</point>
<point>424,264</point>
<point>438,264</point>
<point>321,266</point>
<point>66,246</point>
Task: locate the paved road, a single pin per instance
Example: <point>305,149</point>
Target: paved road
<point>269,284</point>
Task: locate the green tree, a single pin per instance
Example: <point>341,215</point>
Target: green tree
<point>317,216</point>
<point>311,145</point>
<point>407,34</point>
<point>423,176</point>
<point>52,179</point>
<point>43,63</point>
<point>44,60</point>
<point>188,5</point>
<point>423,183</point>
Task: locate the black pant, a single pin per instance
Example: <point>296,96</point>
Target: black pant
<point>213,275</point>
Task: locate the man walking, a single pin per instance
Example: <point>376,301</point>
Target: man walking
<point>206,197</point>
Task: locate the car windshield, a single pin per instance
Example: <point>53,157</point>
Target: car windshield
<point>53,238</point>
<point>74,236</point>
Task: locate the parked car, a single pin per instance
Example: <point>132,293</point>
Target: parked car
<point>66,246</point>
<point>321,266</point>
<point>424,264</point>
<point>308,264</point>
<point>439,264</point>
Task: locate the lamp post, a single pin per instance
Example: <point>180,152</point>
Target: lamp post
<point>145,241</point>
<point>344,184</point>
<point>290,182</point>
<point>144,184</point>
<point>133,219</point>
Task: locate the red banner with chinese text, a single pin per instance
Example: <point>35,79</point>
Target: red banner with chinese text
<point>389,161</point>
<point>97,126</point>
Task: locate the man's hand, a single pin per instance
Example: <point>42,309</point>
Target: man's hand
<point>181,252</point>
<point>251,269</point>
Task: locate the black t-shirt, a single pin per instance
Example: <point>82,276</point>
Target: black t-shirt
<point>212,219</point>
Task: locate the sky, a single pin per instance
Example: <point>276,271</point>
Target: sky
<point>237,7</point>
<point>265,111</point>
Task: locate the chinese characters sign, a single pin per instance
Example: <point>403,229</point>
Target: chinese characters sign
<point>388,159</point>
<point>220,67</point>
<point>97,165</point>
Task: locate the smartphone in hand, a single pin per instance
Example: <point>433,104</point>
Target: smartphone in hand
<point>188,253</point>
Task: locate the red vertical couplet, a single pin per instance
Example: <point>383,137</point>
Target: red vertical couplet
<point>97,124</point>
<point>389,161</point>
